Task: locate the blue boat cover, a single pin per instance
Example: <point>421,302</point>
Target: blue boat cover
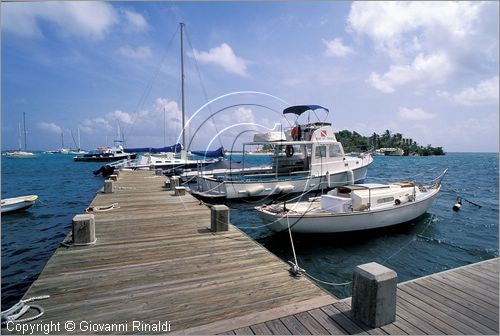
<point>299,109</point>
<point>215,153</point>
<point>174,148</point>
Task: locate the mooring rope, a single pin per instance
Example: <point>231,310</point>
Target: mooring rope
<point>102,208</point>
<point>19,309</point>
<point>297,271</point>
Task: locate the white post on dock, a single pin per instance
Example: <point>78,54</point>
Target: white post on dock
<point>83,229</point>
<point>174,182</point>
<point>374,294</point>
<point>108,186</point>
<point>219,218</point>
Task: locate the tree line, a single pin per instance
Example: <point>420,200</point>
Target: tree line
<point>355,142</point>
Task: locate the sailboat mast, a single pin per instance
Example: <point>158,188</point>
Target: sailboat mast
<point>24,124</point>
<point>182,87</point>
<point>20,141</point>
<point>62,139</point>
<point>79,139</point>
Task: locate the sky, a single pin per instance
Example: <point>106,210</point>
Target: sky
<point>428,70</point>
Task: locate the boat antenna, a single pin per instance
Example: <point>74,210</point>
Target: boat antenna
<point>181,24</point>
<point>24,125</point>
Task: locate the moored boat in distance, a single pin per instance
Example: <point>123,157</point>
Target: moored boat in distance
<point>106,154</point>
<point>21,154</point>
<point>354,207</point>
<point>17,203</point>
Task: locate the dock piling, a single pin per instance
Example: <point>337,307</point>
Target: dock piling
<point>108,186</point>
<point>83,229</point>
<point>219,218</point>
<point>174,182</point>
<point>374,294</point>
<point>180,191</point>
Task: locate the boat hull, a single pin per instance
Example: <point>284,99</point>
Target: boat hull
<point>210,187</point>
<point>354,221</point>
<point>103,158</point>
<point>17,203</point>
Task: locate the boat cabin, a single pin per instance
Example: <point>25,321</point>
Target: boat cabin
<point>360,197</point>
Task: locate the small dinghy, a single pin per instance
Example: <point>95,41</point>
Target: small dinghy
<point>17,203</point>
<point>354,207</point>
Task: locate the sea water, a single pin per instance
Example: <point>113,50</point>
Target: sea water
<point>439,240</point>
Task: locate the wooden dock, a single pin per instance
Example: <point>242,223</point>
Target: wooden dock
<point>155,259</point>
<point>455,302</point>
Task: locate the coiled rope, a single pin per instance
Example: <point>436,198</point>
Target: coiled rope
<point>19,309</point>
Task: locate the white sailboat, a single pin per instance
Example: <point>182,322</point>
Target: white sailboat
<point>307,157</point>
<point>172,159</point>
<point>21,154</point>
<point>79,150</point>
<point>354,207</point>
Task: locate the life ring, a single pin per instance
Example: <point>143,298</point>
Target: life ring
<point>289,150</point>
<point>295,133</point>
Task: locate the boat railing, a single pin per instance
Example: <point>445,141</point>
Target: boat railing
<point>123,163</point>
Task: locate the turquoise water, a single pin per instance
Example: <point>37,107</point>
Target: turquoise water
<point>439,240</point>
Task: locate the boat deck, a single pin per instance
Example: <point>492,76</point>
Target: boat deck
<point>156,260</point>
<point>458,301</point>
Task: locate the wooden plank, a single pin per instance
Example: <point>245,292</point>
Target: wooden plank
<point>446,318</point>
<point>423,317</point>
<point>243,331</point>
<point>277,327</point>
<point>459,296</point>
<point>464,284</point>
<point>332,327</point>
<point>154,257</point>
<point>342,320</point>
<point>294,326</point>
<point>343,307</point>
<point>260,329</point>
<point>478,276</point>
<point>404,326</point>
<point>473,319</point>
<point>311,324</point>
<point>261,316</point>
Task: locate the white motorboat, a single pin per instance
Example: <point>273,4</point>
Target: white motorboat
<point>305,158</point>
<point>19,154</point>
<point>17,203</point>
<point>353,207</point>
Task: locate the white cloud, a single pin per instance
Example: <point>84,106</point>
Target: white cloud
<point>225,57</point>
<point>97,125</point>
<point>122,117</point>
<point>171,110</point>
<point>337,48</point>
<point>137,53</point>
<point>87,19</point>
<point>485,93</point>
<point>136,20</point>
<point>399,27</point>
<point>431,70</point>
<point>50,127</point>
<point>243,115</point>
<point>445,38</point>
<point>415,114</point>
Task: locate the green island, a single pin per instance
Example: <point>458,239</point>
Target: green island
<point>355,142</point>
